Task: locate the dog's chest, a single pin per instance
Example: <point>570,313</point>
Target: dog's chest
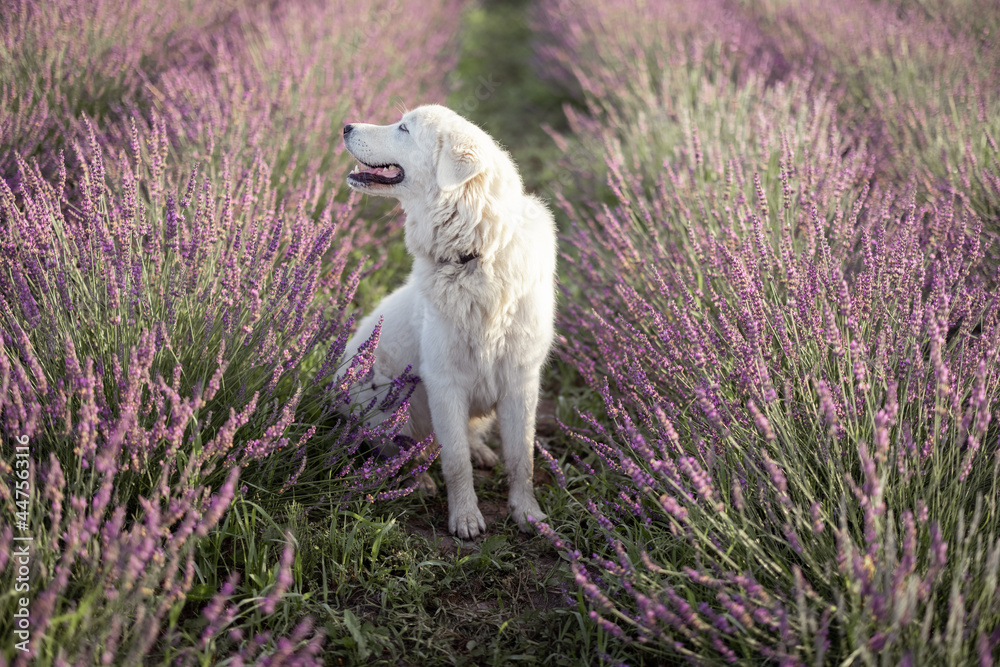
<point>476,303</point>
<point>468,329</point>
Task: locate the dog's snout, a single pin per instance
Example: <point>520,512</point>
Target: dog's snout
<point>347,130</point>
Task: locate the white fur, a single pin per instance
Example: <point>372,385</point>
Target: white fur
<point>477,333</point>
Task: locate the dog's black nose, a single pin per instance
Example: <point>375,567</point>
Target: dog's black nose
<point>347,129</point>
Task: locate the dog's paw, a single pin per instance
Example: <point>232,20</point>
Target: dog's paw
<point>426,485</point>
<point>467,525</point>
<point>520,510</point>
<point>482,455</point>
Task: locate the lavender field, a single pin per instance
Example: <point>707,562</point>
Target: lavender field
<point>770,428</point>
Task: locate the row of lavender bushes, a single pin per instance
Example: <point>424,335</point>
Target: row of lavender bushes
<point>915,83</point>
<point>789,308</point>
<point>178,262</point>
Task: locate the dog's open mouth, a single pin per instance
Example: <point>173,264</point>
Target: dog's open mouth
<point>364,174</point>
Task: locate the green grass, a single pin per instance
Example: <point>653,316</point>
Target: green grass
<point>392,587</point>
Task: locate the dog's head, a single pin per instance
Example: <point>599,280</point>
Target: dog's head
<point>431,151</point>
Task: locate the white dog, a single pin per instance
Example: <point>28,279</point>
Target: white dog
<point>475,317</point>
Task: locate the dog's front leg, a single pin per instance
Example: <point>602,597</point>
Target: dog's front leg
<point>450,417</point>
<point>516,414</point>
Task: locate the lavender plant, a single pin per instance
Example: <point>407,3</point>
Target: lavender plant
<point>914,85</point>
<point>175,297</point>
<point>240,80</point>
<point>153,354</point>
<point>797,356</point>
<point>799,441</point>
<point>917,83</point>
<point>65,60</point>
<point>262,86</point>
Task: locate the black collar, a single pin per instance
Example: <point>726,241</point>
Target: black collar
<point>465,259</point>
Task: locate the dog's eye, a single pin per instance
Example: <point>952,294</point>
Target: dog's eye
<point>402,128</point>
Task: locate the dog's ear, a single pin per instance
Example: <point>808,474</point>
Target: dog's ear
<point>459,160</point>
